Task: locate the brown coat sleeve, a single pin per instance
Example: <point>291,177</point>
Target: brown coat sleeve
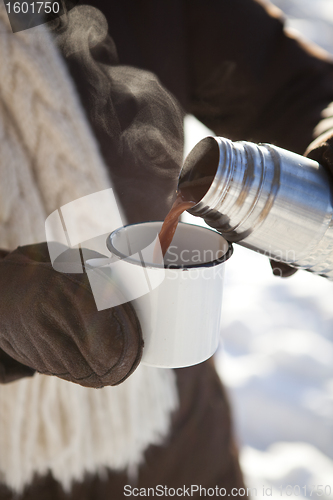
<point>230,63</point>
<point>248,79</point>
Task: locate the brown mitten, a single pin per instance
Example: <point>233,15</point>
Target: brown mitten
<point>321,150</point>
<point>50,323</point>
<point>281,269</point>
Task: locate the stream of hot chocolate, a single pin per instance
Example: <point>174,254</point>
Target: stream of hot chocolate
<point>170,224</point>
<point>190,190</point>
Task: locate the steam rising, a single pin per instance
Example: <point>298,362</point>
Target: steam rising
<point>137,122</point>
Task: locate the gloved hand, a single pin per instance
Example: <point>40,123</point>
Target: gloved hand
<point>50,323</point>
<point>281,269</point>
<point>321,150</point>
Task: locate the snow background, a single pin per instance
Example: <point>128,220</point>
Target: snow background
<point>276,357</point>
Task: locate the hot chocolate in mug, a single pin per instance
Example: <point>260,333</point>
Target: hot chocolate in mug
<point>179,301</point>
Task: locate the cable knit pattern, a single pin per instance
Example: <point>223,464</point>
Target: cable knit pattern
<point>49,424</point>
<point>45,111</point>
<point>49,157</point>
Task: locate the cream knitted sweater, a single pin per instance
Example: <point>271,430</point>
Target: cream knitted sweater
<point>48,158</point>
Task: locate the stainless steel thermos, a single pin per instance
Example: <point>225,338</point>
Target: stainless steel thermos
<point>265,198</point>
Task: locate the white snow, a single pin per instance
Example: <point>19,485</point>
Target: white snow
<point>276,357</point>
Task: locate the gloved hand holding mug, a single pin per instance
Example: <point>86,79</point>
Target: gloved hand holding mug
<point>50,324</point>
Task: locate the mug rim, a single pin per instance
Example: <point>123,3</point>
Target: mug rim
<point>226,256</point>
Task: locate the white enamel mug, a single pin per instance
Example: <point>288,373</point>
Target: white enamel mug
<point>180,304</point>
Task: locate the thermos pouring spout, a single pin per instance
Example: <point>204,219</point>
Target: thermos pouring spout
<point>265,198</point>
